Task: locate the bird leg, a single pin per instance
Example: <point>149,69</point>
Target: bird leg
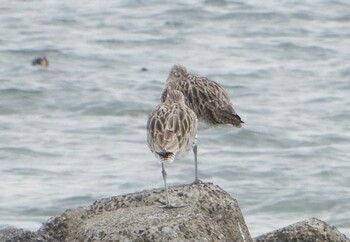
<point>168,204</point>
<point>165,186</point>
<point>196,180</point>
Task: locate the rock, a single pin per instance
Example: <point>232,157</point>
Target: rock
<point>312,230</point>
<point>209,214</point>
<point>143,69</point>
<point>20,235</point>
<point>40,61</point>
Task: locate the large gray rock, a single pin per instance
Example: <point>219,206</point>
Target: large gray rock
<point>20,235</point>
<point>312,230</point>
<point>209,214</point>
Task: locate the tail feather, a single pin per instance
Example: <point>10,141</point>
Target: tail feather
<point>166,156</point>
<point>226,116</point>
<point>237,121</point>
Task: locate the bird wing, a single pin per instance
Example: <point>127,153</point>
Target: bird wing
<point>214,101</point>
<point>162,129</point>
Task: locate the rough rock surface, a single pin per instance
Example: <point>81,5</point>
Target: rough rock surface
<point>20,235</point>
<point>312,230</point>
<point>209,214</point>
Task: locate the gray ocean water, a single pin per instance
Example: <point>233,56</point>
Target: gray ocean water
<point>75,132</point>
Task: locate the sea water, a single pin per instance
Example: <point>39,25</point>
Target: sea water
<point>76,131</point>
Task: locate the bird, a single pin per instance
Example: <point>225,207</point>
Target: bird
<point>205,97</point>
<point>40,61</point>
<point>171,132</point>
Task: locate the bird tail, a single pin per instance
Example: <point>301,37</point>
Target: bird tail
<point>166,156</point>
<point>237,121</point>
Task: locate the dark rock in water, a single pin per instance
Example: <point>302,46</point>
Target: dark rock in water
<point>143,69</point>
<point>20,235</point>
<point>312,230</point>
<point>40,61</point>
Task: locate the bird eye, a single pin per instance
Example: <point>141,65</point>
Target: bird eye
<point>177,74</point>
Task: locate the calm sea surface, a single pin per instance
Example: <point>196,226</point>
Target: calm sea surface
<point>75,132</point>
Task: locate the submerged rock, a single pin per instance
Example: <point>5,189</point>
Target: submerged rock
<point>143,69</point>
<point>20,235</point>
<point>40,61</point>
<point>313,230</point>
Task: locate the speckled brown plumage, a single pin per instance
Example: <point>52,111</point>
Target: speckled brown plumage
<point>171,127</point>
<point>205,97</point>
<point>171,131</point>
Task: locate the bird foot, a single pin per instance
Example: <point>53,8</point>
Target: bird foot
<point>169,206</point>
<point>197,181</point>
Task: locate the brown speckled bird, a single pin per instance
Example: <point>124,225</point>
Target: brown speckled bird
<point>205,97</point>
<point>171,131</point>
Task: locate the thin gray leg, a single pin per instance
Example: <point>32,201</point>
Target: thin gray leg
<point>165,186</point>
<point>168,204</point>
<point>196,180</point>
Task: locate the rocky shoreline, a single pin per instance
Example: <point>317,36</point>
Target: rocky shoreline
<point>209,214</point>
